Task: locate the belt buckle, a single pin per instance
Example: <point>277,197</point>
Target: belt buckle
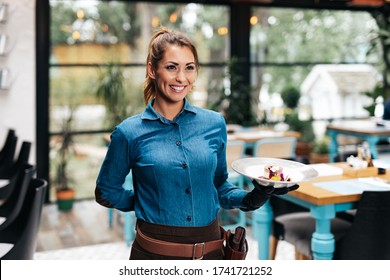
<point>194,251</point>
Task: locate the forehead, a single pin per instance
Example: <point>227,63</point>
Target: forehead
<point>179,54</point>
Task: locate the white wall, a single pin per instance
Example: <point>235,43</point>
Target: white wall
<point>17,105</point>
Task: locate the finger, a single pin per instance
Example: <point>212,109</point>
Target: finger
<point>293,188</point>
<point>281,191</point>
<point>260,186</point>
<point>268,190</point>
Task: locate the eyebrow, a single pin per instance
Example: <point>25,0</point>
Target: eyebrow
<point>178,63</point>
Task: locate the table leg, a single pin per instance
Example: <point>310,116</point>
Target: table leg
<point>333,146</point>
<point>323,243</point>
<point>372,141</point>
<point>262,219</point>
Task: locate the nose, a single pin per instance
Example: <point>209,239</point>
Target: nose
<point>180,76</point>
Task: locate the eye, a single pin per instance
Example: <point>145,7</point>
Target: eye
<point>171,67</point>
<point>190,68</point>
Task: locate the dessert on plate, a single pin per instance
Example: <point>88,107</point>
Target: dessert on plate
<point>275,173</point>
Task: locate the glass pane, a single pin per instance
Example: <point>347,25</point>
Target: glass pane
<point>74,90</point>
<point>326,91</point>
<point>304,35</point>
<point>268,83</point>
<point>96,32</point>
<point>86,154</point>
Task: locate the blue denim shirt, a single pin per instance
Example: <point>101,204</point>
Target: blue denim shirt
<point>178,167</point>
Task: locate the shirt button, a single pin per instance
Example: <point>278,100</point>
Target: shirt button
<point>188,191</point>
<point>178,143</point>
<point>189,219</point>
<point>184,165</point>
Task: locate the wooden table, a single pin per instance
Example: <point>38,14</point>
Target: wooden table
<point>323,205</point>
<point>251,135</point>
<point>367,129</point>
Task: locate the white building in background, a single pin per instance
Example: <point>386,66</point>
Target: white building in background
<point>338,91</point>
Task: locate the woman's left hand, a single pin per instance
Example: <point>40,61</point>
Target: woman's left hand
<point>274,191</point>
<point>260,194</point>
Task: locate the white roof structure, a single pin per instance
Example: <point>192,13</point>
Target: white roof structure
<point>338,90</point>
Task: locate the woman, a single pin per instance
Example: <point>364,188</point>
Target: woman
<point>177,155</point>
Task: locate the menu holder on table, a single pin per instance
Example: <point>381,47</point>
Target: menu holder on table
<point>360,172</point>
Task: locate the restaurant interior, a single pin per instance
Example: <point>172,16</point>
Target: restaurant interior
<point>303,84</point>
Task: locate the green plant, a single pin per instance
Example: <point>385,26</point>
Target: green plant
<point>321,146</point>
<point>231,99</point>
<point>305,127</point>
<point>62,179</point>
<point>290,96</point>
<point>111,90</point>
<point>378,91</point>
<point>380,42</point>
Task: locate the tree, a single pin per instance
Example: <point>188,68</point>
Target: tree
<point>296,36</point>
<point>381,43</point>
<point>230,99</point>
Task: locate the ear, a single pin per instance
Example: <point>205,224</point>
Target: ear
<point>151,71</point>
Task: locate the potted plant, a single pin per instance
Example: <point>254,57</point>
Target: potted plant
<point>65,193</point>
<point>320,152</point>
<point>290,96</point>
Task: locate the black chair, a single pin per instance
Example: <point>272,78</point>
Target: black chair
<point>10,209</point>
<point>7,190</point>
<point>23,157</point>
<point>363,239</point>
<point>10,135</point>
<point>280,207</point>
<point>7,154</point>
<point>21,234</point>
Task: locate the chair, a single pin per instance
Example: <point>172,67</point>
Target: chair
<point>10,209</point>
<point>363,239</point>
<point>128,217</point>
<point>234,150</point>
<point>18,240</point>
<point>7,154</point>
<point>278,147</point>
<point>10,135</point>
<point>6,190</point>
<point>23,157</point>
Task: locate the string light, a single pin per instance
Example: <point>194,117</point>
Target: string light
<point>173,17</point>
<point>155,22</point>
<point>80,14</point>
<point>223,31</point>
<point>254,20</point>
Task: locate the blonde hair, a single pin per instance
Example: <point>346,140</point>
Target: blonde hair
<point>157,46</point>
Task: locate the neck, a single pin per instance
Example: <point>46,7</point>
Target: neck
<point>167,110</point>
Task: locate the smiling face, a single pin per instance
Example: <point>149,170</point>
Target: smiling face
<point>174,75</point>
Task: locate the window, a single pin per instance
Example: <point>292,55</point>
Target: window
<point>89,46</point>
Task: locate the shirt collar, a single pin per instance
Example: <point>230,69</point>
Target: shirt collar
<point>150,114</point>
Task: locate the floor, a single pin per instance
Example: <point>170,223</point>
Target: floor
<point>83,233</point>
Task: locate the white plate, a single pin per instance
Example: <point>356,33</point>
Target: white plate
<point>253,168</point>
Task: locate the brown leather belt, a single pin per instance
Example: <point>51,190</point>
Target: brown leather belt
<point>195,251</point>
